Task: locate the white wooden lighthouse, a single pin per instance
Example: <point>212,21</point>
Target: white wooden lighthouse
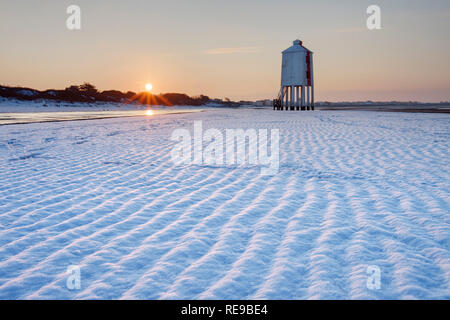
<point>297,81</point>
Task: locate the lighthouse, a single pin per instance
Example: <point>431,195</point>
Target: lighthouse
<point>297,80</point>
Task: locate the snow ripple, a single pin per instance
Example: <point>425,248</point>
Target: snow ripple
<point>354,189</point>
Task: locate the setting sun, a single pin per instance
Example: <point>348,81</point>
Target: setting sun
<point>148,86</point>
<point>149,112</point>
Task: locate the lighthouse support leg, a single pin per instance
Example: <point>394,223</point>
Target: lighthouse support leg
<point>281,98</point>
<point>300,97</point>
<point>292,98</point>
<point>303,97</point>
<point>308,105</point>
<point>286,104</point>
<point>288,97</point>
<point>295,98</point>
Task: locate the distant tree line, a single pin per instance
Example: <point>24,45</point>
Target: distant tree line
<point>89,93</point>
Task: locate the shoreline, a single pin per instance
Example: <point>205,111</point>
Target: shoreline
<point>41,117</point>
<point>381,109</point>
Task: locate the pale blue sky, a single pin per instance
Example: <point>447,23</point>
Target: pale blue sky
<point>178,46</point>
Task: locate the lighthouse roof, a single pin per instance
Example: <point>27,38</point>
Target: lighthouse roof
<point>296,47</point>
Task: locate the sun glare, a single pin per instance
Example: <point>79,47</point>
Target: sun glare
<point>148,86</point>
<point>149,112</point>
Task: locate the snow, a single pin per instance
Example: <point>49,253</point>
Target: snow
<point>354,189</point>
<point>26,92</point>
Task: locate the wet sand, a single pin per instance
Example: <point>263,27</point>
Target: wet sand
<point>424,109</point>
<point>35,117</point>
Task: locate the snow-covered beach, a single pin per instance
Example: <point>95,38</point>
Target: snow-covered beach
<point>354,189</point>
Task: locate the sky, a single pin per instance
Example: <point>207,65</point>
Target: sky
<point>229,48</point>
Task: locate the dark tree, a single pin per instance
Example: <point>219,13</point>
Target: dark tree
<point>88,89</point>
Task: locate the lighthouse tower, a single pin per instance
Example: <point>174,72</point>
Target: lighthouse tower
<point>297,81</point>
